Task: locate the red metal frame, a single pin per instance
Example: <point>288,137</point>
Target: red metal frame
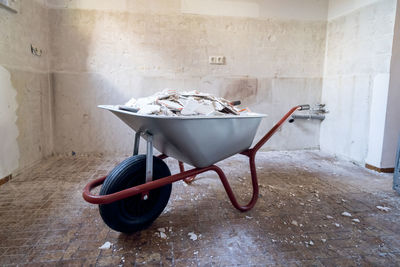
<point>188,176</point>
<point>187,180</point>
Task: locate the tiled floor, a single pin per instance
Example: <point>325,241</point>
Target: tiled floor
<point>44,220</point>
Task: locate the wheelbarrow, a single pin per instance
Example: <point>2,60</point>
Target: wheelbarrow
<point>137,190</point>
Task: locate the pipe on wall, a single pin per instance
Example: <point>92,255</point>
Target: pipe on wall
<point>307,117</point>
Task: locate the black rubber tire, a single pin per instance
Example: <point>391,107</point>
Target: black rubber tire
<point>134,214</point>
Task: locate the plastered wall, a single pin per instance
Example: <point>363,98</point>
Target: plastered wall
<point>282,9</point>
<point>8,126</point>
<point>278,54</point>
<point>357,64</point>
<point>391,134</point>
<point>106,57</point>
<point>338,8</point>
<point>26,133</point>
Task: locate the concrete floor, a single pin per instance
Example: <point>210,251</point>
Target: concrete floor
<point>44,220</point>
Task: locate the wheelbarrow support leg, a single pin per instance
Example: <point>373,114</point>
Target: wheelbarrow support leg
<point>149,163</point>
<point>149,153</point>
<point>136,145</point>
<point>149,158</point>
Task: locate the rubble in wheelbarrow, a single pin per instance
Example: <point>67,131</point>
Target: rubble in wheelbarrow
<point>173,103</point>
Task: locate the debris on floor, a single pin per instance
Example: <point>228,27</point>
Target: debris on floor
<point>310,243</point>
<point>73,236</point>
<point>346,214</point>
<point>173,103</point>
<point>192,236</point>
<point>382,208</point>
<point>161,233</point>
<point>106,245</point>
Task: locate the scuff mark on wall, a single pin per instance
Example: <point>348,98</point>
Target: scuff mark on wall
<point>9,151</point>
<point>243,88</point>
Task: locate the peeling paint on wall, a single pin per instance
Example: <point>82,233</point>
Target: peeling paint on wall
<point>9,152</point>
<point>30,79</point>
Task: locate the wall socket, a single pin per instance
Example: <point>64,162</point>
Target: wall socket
<point>216,60</point>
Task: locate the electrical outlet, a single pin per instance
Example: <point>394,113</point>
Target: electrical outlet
<point>216,60</point>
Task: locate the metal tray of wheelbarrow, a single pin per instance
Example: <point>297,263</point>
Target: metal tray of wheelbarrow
<point>199,141</point>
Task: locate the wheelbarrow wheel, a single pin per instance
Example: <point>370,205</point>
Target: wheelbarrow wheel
<point>134,213</point>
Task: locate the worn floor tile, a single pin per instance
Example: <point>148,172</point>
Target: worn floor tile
<point>297,221</point>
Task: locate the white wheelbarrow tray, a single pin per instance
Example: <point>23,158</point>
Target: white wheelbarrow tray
<point>199,141</point>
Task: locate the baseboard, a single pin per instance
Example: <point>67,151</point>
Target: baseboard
<point>382,170</point>
<point>5,179</point>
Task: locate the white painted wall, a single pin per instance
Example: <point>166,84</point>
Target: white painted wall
<point>283,9</point>
<point>221,8</point>
<point>114,5</point>
<point>356,77</point>
<point>9,150</point>
<point>338,8</point>
<point>392,127</point>
<point>378,109</point>
<point>132,6</point>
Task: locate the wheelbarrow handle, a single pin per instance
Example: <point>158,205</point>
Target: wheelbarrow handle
<point>236,103</point>
<point>146,187</point>
<point>304,107</point>
<point>251,152</point>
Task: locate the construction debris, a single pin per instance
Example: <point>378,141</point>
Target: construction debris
<point>381,208</point>
<point>192,236</point>
<point>161,233</point>
<point>106,245</point>
<point>173,103</point>
<point>346,214</point>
